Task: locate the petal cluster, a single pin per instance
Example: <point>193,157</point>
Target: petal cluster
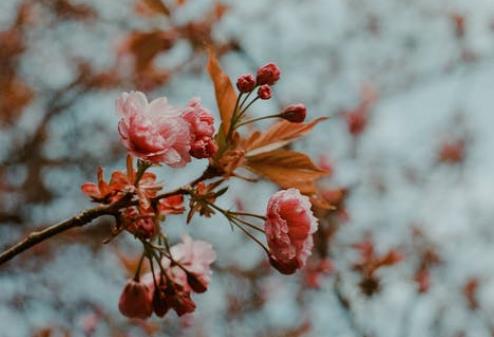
<point>201,123</point>
<point>155,131</point>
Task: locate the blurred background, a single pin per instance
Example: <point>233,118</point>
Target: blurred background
<point>409,86</point>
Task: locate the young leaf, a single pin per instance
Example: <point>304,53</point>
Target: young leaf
<point>224,92</point>
<point>287,169</point>
<point>279,135</point>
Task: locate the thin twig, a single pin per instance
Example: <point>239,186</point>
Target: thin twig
<point>79,220</point>
<point>347,308</point>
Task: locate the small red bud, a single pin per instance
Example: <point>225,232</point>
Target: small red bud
<point>160,304</point>
<point>294,113</point>
<point>182,303</point>
<point>195,282</point>
<point>264,92</point>
<point>136,300</point>
<point>203,148</point>
<point>284,268</point>
<point>246,83</point>
<point>268,74</point>
<point>356,122</point>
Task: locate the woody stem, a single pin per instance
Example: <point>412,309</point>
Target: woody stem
<point>87,216</point>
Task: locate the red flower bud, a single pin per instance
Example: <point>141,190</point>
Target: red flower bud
<point>160,304</point>
<point>268,74</point>
<point>246,83</point>
<point>294,113</point>
<point>286,268</point>
<point>141,225</point>
<point>264,92</point>
<point>182,303</point>
<point>203,148</point>
<point>197,284</point>
<point>136,300</point>
<point>356,122</point>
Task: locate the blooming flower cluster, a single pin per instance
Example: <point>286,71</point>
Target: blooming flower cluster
<point>185,270</point>
<point>158,133</point>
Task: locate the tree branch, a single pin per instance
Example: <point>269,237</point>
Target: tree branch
<point>89,215</point>
<point>347,308</point>
<point>79,220</point>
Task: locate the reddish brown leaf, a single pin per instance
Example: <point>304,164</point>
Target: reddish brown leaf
<point>224,92</point>
<point>129,264</point>
<point>219,10</point>
<point>67,10</point>
<point>145,46</point>
<point>279,135</point>
<point>156,6</point>
<point>287,169</point>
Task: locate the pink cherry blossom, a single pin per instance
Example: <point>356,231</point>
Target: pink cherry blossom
<point>289,228</point>
<point>195,256</point>
<point>201,123</point>
<point>155,131</point>
<point>189,271</point>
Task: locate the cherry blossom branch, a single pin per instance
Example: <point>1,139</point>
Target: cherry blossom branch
<point>87,216</point>
<point>79,220</point>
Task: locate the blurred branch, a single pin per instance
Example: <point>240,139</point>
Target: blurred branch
<point>346,305</point>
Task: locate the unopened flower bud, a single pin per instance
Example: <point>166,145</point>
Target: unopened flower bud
<point>284,268</point>
<point>196,283</point>
<point>246,83</point>
<point>203,148</point>
<point>268,74</point>
<point>294,113</point>
<point>160,304</point>
<point>183,304</point>
<point>264,92</point>
<point>136,300</point>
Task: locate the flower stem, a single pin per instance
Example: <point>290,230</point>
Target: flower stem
<point>243,111</point>
<point>238,222</point>
<point>257,119</point>
<point>246,232</point>
<point>262,217</point>
<point>234,117</point>
<point>142,166</point>
<point>250,225</point>
<point>139,266</point>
